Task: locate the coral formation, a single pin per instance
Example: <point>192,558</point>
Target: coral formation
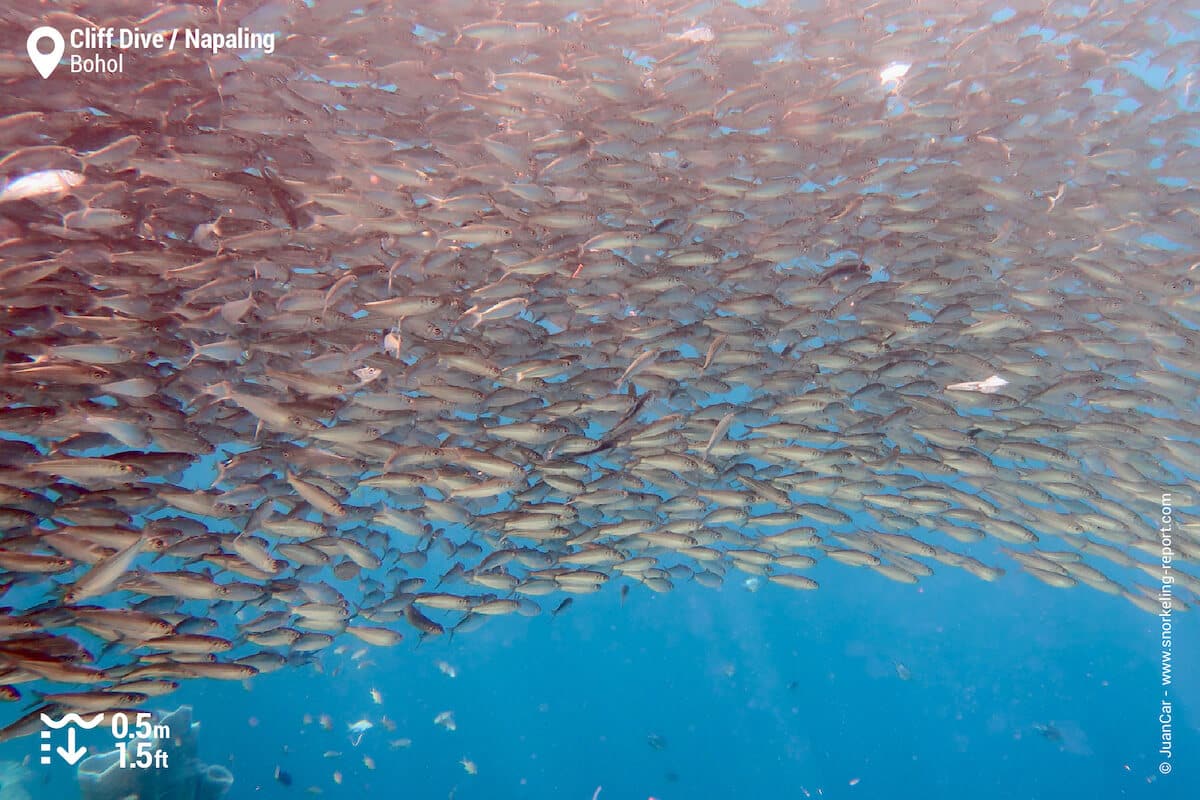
<point>101,776</point>
<point>12,775</point>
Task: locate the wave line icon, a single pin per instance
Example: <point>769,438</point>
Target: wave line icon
<point>74,718</point>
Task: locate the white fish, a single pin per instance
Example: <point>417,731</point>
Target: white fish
<point>701,33</point>
<point>37,184</point>
<point>989,386</point>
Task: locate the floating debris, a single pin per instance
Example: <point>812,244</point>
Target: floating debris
<point>357,729</point>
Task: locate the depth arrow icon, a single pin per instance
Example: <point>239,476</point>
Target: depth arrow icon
<point>69,753</point>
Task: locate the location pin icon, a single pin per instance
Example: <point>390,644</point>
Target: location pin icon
<point>45,62</point>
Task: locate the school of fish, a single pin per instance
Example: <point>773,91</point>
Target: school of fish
<point>462,309</point>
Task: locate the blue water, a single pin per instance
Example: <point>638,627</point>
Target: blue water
<point>771,694</point>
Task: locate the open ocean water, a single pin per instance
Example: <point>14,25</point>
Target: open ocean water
<point>751,694</point>
<point>464,400</point>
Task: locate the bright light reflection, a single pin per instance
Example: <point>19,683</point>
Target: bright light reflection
<point>893,72</point>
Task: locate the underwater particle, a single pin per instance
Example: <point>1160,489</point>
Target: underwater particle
<point>282,776</point>
<point>446,720</point>
<point>368,762</point>
<point>656,741</point>
<point>903,672</point>
<point>752,584</point>
<point>1048,731</point>
<point>469,766</point>
<point>376,697</point>
<point>447,669</point>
